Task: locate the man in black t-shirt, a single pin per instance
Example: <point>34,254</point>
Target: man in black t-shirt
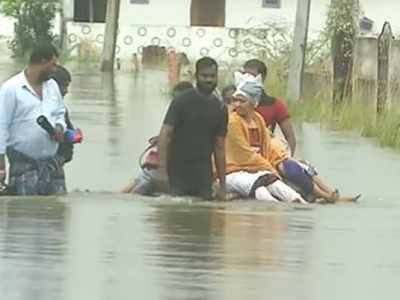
<point>195,128</point>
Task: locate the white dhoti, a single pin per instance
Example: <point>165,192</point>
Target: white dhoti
<point>242,183</point>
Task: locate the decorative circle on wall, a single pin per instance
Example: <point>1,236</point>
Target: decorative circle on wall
<point>218,42</point>
<point>128,40</point>
<point>100,38</point>
<point>140,50</point>
<point>142,31</point>
<point>245,32</point>
<point>171,32</point>
<point>233,33</point>
<point>186,42</point>
<point>86,29</point>
<point>72,38</point>
<point>156,41</point>
<point>264,36</point>
<point>201,32</point>
<point>204,51</point>
<point>248,43</point>
<point>233,52</point>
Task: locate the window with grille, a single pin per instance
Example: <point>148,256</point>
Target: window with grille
<point>207,13</point>
<point>92,11</point>
<point>271,3</point>
<point>139,1</point>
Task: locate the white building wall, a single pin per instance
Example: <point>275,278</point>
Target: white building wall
<point>167,23</point>
<point>217,42</point>
<point>157,12</point>
<point>239,13</point>
<point>244,13</point>
<point>68,6</point>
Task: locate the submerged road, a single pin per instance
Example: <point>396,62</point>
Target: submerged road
<point>104,245</point>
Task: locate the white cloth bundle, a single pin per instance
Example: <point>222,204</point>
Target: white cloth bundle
<point>249,86</point>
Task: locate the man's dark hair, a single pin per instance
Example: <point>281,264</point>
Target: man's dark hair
<point>43,53</point>
<point>61,75</point>
<point>205,62</point>
<point>182,86</point>
<point>257,65</point>
<point>228,88</point>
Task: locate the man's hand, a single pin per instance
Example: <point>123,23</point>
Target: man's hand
<point>161,175</point>
<point>3,176</point>
<point>163,144</point>
<point>58,133</point>
<point>288,132</point>
<point>221,193</point>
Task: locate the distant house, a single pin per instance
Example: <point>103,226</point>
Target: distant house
<point>202,27</point>
<point>220,13</point>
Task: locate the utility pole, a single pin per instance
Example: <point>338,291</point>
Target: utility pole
<point>63,29</point>
<point>297,60</point>
<point>110,35</point>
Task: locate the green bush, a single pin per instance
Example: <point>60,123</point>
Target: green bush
<point>33,23</point>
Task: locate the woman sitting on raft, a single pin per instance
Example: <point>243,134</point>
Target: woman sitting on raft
<point>250,157</point>
<point>299,174</point>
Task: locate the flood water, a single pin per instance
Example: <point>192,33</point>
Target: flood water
<point>98,244</point>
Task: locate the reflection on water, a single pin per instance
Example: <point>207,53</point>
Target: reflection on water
<point>104,245</point>
<point>32,245</point>
<point>118,114</point>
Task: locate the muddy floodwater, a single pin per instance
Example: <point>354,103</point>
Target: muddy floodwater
<point>96,244</point>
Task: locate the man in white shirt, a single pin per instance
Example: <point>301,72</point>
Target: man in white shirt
<point>31,149</point>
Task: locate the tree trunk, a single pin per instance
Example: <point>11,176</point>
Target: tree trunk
<point>91,11</point>
<point>110,36</point>
<point>342,56</point>
<point>63,29</point>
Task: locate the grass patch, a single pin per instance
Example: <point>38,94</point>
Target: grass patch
<point>351,115</point>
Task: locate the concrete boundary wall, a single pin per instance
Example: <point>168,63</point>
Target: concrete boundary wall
<point>394,74</point>
<point>365,71</point>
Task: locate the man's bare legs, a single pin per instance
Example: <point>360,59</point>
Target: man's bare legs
<point>322,190</point>
<point>129,187</point>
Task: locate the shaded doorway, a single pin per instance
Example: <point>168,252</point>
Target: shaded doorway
<point>207,13</point>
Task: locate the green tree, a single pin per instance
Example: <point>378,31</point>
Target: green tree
<point>342,26</point>
<point>33,22</point>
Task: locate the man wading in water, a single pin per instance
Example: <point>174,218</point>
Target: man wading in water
<point>194,129</point>
<point>30,149</point>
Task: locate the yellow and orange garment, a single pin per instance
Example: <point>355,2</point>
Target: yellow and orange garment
<point>240,156</point>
